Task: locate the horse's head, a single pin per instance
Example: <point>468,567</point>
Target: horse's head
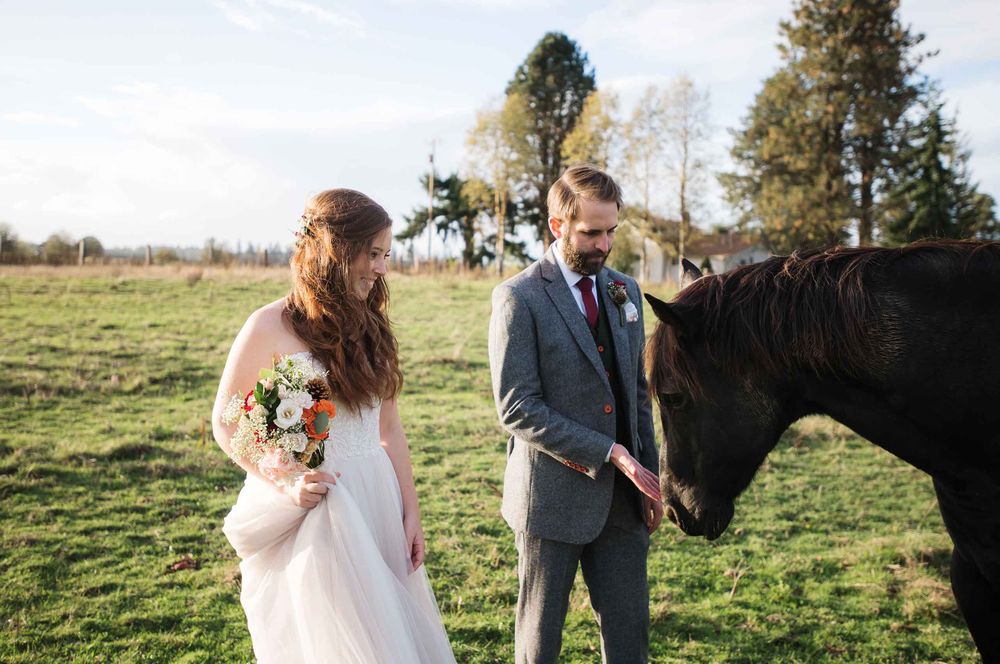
<point>718,427</point>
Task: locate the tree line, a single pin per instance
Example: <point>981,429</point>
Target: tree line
<point>62,249</point>
<point>551,115</point>
<point>847,141</point>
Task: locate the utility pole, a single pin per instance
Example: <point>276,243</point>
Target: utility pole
<point>430,203</point>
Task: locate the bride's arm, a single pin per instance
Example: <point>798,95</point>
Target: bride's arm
<point>395,444</point>
<point>253,350</point>
<point>250,352</point>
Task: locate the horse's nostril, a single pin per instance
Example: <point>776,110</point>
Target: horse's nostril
<point>672,515</point>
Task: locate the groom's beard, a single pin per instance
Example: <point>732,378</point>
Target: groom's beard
<point>586,263</point>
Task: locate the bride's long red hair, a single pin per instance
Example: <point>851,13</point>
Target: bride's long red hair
<point>350,335</point>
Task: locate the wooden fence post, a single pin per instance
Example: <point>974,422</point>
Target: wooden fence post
<point>81,253</point>
<point>149,255</point>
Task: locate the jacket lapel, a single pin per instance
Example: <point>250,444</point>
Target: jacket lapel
<point>558,291</point>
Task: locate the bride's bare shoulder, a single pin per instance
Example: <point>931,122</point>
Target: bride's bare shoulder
<point>268,326</point>
<point>269,315</point>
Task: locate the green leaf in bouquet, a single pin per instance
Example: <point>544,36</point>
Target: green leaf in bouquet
<point>321,423</point>
<point>266,373</point>
<point>258,394</point>
<point>271,398</point>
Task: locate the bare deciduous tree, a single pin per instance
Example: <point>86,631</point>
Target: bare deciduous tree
<point>498,160</point>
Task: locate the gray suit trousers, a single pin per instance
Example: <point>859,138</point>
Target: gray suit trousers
<point>614,569</point>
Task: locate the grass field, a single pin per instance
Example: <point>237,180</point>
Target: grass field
<point>837,551</point>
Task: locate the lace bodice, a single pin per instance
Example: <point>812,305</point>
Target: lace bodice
<point>352,434</point>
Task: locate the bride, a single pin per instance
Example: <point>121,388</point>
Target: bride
<point>332,563</point>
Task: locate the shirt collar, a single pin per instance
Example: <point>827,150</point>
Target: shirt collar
<point>569,275</point>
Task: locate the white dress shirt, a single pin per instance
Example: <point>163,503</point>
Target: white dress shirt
<point>571,278</point>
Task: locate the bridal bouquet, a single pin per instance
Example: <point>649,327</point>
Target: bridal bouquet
<point>283,422</point>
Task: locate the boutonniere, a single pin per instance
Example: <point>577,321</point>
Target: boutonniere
<point>619,295</point>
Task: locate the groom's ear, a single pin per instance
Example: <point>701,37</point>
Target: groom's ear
<point>556,227</point>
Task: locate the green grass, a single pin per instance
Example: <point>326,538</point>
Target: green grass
<point>837,551</point>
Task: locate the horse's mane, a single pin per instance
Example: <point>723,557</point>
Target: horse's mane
<point>812,309</point>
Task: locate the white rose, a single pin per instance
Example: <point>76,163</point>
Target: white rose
<point>288,413</point>
<point>303,400</point>
<point>296,442</point>
<point>282,391</point>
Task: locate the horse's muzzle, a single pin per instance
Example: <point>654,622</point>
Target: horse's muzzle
<point>706,521</point>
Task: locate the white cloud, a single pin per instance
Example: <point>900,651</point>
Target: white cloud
<point>963,32</point>
<point>178,165</point>
<point>490,5</point>
<point>254,15</point>
<point>39,119</point>
<point>182,112</point>
<point>335,19</point>
<point>721,38</point>
<point>249,18</point>
<point>975,106</point>
<point>122,189</point>
<point>632,85</point>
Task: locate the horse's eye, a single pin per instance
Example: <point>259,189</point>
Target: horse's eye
<point>673,399</point>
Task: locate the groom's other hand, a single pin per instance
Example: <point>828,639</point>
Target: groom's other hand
<point>647,482</point>
<point>652,513</point>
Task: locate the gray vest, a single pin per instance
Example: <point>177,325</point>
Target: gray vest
<point>606,349</point>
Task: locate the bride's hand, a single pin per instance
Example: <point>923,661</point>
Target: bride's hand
<point>414,540</point>
<point>309,488</point>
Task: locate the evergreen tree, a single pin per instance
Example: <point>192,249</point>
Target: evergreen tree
<point>934,195</point>
<point>455,215</point>
<point>817,148</point>
<point>554,80</point>
<point>790,181</point>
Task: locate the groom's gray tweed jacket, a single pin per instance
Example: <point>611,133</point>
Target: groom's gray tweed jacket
<point>554,398</point>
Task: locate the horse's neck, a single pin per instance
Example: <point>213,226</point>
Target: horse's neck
<point>873,414</point>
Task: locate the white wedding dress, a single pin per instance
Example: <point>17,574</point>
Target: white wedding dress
<point>333,583</point>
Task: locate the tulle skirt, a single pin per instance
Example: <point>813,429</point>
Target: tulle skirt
<point>333,583</point>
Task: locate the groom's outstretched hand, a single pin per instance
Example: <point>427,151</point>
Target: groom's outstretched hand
<point>647,482</point>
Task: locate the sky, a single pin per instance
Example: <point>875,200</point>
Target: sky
<point>171,122</point>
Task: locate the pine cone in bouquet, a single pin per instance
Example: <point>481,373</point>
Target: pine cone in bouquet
<point>319,390</point>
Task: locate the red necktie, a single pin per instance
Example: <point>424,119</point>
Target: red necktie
<point>586,286</point>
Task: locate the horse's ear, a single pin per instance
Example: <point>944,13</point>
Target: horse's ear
<point>666,312</point>
<point>691,272</point>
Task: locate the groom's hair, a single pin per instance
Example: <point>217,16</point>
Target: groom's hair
<point>581,181</point>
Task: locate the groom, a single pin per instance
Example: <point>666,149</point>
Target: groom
<point>580,488</point>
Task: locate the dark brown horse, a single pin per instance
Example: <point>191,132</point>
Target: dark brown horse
<point>901,345</point>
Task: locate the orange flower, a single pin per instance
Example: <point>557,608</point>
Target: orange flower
<point>317,419</point>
